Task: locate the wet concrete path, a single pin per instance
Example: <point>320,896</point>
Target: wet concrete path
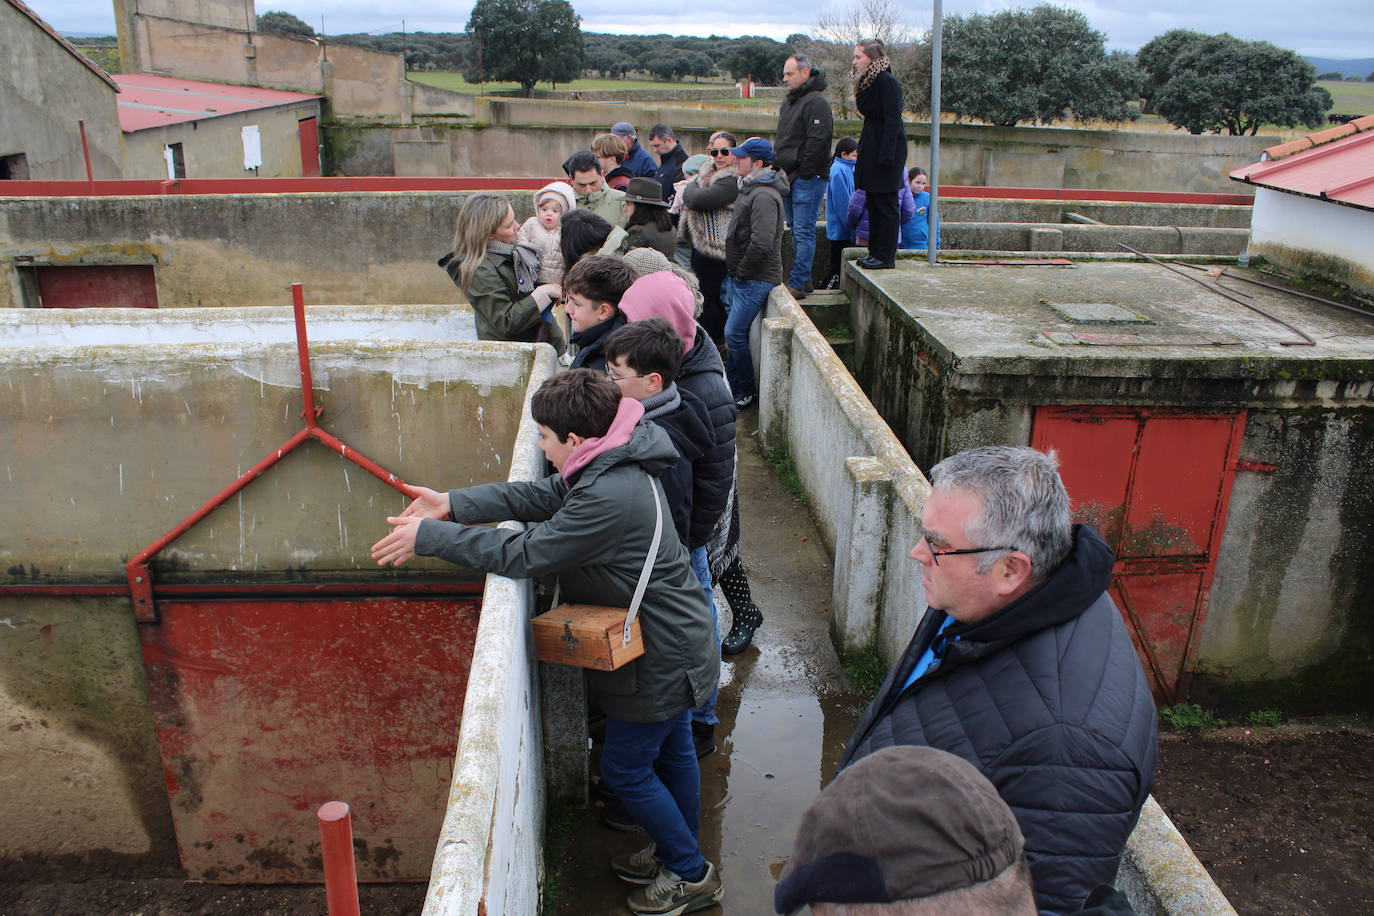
<point>786,708</point>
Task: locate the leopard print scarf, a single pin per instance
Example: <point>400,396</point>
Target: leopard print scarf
<point>863,78</point>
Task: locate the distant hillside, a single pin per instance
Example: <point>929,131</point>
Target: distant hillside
<point>1361,68</point>
<point>88,35</point>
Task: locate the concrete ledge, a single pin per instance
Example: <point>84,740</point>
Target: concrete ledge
<point>1160,874</point>
<point>489,853</point>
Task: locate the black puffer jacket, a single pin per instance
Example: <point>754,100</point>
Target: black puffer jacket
<point>1048,700</point>
<point>805,125</point>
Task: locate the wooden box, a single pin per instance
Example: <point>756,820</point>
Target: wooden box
<point>587,636</point>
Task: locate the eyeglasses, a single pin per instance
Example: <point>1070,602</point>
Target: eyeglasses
<point>937,552</point>
<point>610,374</point>
<point>719,152</point>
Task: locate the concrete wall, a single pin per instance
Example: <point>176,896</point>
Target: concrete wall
<point>144,433</point>
<point>213,148</point>
<point>364,248</point>
<point>863,488</point>
<point>44,90</point>
<point>1318,237</point>
<point>537,134</point>
<point>358,81</point>
<point>489,854</point>
<point>865,493</point>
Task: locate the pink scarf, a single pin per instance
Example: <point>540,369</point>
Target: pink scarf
<point>622,427</point>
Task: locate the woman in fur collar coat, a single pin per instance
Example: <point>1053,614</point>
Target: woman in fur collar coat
<point>708,201</point>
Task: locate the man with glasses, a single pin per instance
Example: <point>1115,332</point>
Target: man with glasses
<point>1022,666</point>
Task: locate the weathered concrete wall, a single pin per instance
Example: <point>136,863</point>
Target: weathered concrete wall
<point>1310,414</point>
<point>213,148</point>
<point>365,248</point>
<point>489,854</point>
<point>1317,237</point>
<point>1011,236</point>
<point>864,490</point>
<point>143,434</point>
<point>865,493</point>
<point>359,81</point>
<point>534,136</point>
<point>44,90</point>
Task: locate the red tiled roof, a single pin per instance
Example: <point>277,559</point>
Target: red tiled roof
<point>1335,165</point>
<point>76,52</point>
<point>154,101</point>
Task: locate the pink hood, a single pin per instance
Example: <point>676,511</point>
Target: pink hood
<point>663,295</point>
<point>627,416</point>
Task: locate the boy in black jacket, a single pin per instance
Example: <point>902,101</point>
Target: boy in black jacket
<point>643,358</point>
<point>593,287</point>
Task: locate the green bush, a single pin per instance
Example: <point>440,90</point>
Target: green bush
<point>1265,718</point>
<point>1187,716</point>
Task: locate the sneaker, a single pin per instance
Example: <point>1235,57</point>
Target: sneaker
<point>704,737</point>
<point>671,895</point>
<point>745,402</point>
<point>637,867</point>
<point>614,815</point>
<point>798,294</point>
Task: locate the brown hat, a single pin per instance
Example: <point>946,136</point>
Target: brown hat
<point>904,823</point>
<point>645,190</point>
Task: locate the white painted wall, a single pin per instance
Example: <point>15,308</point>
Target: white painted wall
<point>864,489</point>
<point>1286,227</point>
<point>490,848</point>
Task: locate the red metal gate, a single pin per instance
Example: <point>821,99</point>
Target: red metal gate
<point>309,132</point>
<point>97,286</point>
<point>267,708</point>
<point>1155,484</point>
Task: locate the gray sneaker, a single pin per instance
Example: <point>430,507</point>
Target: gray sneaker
<point>670,895</point>
<point>637,867</point>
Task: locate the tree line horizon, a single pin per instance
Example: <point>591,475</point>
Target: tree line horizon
<point>1034,65</point>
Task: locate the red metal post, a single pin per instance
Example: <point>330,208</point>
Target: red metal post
<point>86,151</point>
<point>340,871</point>
<point>303,354</point>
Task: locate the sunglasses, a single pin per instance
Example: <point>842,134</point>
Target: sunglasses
<point>718,152</point>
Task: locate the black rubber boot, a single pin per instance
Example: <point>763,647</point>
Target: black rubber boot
<point>704,737</point>
<point>745,613</point>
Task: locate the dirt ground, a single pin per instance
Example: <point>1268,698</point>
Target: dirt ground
<point>1283,819</point>
<point>173,897</point>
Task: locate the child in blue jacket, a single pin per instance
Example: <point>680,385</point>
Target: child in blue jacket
<point>837,206</point>
<point>915,230</point>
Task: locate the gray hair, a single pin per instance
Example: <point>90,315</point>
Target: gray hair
<point>803,62</point>
<point>661,131</point>
<point>1024,503</point>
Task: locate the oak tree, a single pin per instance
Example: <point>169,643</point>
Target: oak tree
<point>524,41</point>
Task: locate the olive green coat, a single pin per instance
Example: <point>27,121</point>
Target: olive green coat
<point>594,536</point>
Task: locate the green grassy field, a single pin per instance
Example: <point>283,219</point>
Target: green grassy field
<point>456,83</point>
<point>1350,98</point>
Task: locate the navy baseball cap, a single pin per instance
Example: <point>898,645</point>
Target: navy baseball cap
<point>754,148</point>
<point>623,129</point>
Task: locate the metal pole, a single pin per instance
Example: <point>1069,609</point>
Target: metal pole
<point>933,214</point>
<point>303,355</point>
<point>340,872</point>
<point>86,151</point>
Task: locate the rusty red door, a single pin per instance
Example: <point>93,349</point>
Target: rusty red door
<point>309,132</point>
<point>1155,484</point>
<point>97,286</point>
<point>266,709</point>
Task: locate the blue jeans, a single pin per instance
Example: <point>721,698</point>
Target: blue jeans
<point>802,207</point>
<point>652,768</point>
<point>745,299</point>
<point>701,565</point>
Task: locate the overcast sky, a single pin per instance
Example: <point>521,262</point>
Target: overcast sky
<point>1342,29</point>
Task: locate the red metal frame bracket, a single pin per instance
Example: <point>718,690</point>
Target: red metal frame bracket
<point>139,569</point>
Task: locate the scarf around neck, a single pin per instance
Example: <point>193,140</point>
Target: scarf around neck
<point>666,401</point>
<point>865,77</point>
<point>526,261</point>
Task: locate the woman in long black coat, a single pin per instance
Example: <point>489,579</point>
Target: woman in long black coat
<point>881,169</point>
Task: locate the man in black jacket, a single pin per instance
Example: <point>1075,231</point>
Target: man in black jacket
<point>1023,667</point>
<point>671,155</point>
<point>803,153</point>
